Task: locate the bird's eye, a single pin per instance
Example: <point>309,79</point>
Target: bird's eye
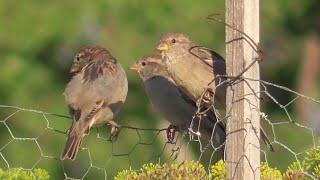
<point>143,63</point>
<point>173,41</point>
<point>78,58</point>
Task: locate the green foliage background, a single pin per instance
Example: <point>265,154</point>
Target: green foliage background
<point>38,40</point>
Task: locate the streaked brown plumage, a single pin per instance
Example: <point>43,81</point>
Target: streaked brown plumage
<point>197,71</point>
<point>94,95</point>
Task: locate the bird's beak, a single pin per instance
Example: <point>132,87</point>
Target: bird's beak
<point>135,67</point>
<point>162,47</point>
<point>75,68</point>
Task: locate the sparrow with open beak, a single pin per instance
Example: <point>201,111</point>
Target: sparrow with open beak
<point>173,104</point>
<point>198,71</point>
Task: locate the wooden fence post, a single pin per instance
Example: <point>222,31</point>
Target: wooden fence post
<point>243,148</point>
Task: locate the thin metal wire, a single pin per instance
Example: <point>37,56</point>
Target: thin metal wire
<point>169,150</point>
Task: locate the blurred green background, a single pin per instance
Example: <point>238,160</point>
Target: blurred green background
<point>38,40</point>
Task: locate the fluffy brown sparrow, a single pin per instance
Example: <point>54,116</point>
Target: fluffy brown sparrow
<point>199,72</point>
<point>94,95</point>
<point>193,68</point>
<point>172,104</point>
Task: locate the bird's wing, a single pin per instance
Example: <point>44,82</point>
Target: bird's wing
<point>209,113</point>
<point>74,113</point>
<point>82,118</point>
<point>213,117</point>
<point>96,69</point>
<point>210,58</point>
<point>186,98</point>
<point>98,105</point>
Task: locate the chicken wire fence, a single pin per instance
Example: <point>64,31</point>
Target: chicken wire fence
<point>24,147</point>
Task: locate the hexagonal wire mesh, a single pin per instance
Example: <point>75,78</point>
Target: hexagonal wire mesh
<point>24,147</point>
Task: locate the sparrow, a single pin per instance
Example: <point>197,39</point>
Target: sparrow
<point>170,102</point>
<point>198,71</point>
<point>94,95</point>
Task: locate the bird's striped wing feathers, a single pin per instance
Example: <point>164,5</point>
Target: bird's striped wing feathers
<point>210,58</point>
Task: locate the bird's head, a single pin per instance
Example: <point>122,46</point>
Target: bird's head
<point>173,44</point>
<point>89,55</point>
<point>149,66</point>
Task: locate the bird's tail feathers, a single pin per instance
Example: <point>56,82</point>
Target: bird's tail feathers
<point>72,146</point>
<point>266,140</point>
